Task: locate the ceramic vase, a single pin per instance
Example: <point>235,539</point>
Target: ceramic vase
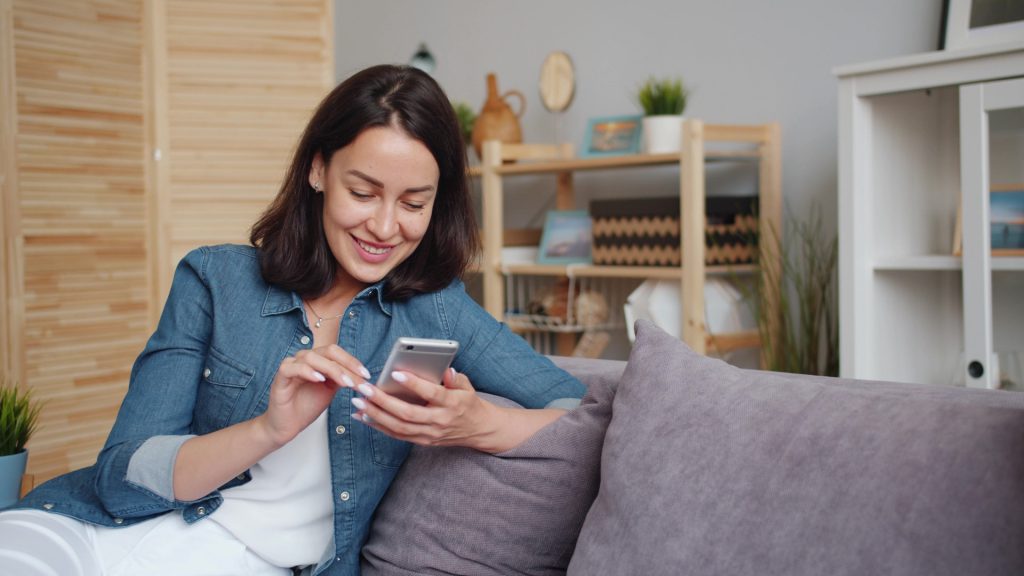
<point>496,120</point>
<point>12,468</point>
<point>662,133</point>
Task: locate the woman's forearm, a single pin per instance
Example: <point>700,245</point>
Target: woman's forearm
<point>513,426</point>
<point>205,463</point>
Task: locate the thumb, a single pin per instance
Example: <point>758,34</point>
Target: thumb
<point>456,381</point>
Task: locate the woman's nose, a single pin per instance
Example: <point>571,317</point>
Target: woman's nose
<point>383,224</point>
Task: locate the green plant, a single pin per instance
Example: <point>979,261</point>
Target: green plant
<point>667,96</point>
<point>796,301</point>
<point>19,415</point>
<point>466,117</point>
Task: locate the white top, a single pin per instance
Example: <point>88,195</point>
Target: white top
<point>285,513</point>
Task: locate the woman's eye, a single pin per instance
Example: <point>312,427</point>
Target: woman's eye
<point>414,206</point>
<point>360,195</point>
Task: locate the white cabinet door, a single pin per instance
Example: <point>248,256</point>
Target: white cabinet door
<point>991,127</point>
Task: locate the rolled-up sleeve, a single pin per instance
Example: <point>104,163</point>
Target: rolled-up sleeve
<point>134,471</point>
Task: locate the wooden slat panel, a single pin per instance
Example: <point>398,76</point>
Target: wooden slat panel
<point>242,79</point>
<point>81,197</point>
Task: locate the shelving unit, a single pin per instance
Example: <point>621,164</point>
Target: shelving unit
<point>750,143</point>
<point>922,138</point>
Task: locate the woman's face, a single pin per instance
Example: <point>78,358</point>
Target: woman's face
<point>379,195</point>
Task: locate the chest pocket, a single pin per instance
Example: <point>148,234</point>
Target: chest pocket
<point>223,381</point>
<point>386,451</point>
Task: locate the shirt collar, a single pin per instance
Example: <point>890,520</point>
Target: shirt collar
<point>279,301</point>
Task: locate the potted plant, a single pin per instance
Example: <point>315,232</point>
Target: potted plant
<point>19,414</point>
<point>663,102</point>
<point>466,117</point>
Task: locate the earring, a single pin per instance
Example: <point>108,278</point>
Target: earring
<point>316,186</point>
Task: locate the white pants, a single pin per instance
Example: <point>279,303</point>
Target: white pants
<point>34,543</point>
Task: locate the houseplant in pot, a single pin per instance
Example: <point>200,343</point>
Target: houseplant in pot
<point>663,102</point>
<point>19,414</point>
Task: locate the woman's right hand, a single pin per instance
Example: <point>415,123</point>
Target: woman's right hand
<point>304,386</point>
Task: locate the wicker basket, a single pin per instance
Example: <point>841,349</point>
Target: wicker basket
<point>645,231</point>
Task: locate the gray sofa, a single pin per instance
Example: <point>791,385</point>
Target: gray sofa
<point>679,464</point>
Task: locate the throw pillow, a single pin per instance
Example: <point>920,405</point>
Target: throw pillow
<point>710,469</point>
<point>459,511</point>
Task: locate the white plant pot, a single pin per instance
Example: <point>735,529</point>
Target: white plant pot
<point>662,134</point>
<point>12,468</point>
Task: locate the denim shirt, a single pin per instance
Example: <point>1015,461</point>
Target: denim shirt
<point>221,338</point>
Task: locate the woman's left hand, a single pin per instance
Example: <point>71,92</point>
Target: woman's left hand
<point>453,416</point>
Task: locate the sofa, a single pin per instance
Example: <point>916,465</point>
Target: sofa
<point>675,463</point>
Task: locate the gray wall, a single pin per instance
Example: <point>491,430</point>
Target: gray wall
<point>747,61</point>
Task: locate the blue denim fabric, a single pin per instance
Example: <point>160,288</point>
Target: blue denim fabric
<point>210,363</point>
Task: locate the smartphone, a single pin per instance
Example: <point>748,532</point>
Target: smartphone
<point>425,357</point>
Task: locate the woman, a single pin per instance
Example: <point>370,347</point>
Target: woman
<point>250,440</point>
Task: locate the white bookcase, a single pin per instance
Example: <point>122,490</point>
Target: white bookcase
<point>922,141</point>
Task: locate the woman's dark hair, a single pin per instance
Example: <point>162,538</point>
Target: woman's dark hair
<point>294,254</point>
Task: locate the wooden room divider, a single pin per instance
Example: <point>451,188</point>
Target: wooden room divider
<point>130,132</point>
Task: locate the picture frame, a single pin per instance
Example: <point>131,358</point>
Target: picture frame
<point>612,136</point>
<point>972,23</point>
<point>566,238</point>
<point>1006,222</point>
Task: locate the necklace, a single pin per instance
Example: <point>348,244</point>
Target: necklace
<point>319,318</point>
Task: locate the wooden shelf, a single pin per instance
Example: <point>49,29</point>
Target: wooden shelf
<point>589,271</point>
<point>608,163</point>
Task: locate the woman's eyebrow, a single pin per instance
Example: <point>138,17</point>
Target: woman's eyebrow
<point>377,183</point>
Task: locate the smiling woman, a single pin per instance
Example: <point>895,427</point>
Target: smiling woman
<point>242,446</point>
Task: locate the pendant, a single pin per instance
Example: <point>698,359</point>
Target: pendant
<point>318,321</point>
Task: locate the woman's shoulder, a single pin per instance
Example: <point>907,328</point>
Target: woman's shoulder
<point>227,261</point>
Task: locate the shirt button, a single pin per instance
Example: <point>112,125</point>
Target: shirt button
<point>206,373</point>
<point>344,496</point>
<point>304,340</point>
<point>240,477</point>
<point>351,313</point>
<point>201,511</point>
<point>118,521</point>
<point>340,429</point>
<point>48,506</point>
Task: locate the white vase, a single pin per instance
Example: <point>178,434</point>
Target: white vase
<point>662,133</point>
<point>12,468</point>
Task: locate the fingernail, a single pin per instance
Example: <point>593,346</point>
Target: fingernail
<point>364,372</point>
<point>347,381</point>
<point>366,390</point>
<point>452,370</point>
<point>399,376</point>
<point>359,403</point>
<point>319,376</point>
<point>367,419</point>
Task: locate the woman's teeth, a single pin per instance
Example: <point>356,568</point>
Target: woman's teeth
<point>372,249</point>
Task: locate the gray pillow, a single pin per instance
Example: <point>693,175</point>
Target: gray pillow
<point>459,511</point>
<point>710,469</point>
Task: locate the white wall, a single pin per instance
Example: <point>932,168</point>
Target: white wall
<point>747,61</point>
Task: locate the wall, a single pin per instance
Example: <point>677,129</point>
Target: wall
<point>748,61</point>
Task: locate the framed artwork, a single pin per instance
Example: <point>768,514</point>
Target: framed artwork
<point>1006,222</point>
<point>969,23</point>
<point>566,238</point>
<point>612,136</point>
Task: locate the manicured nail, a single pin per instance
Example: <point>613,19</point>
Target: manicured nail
<point>359,403</point>
<point>319,376</point>
<point>347,381</point>
<point>399,376</point>
<point>364,372</point>
<point>366,390</point>
<point>367,419</point>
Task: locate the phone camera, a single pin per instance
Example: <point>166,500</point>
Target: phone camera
<point>409,347</point>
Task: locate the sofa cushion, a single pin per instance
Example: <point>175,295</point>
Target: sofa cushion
<point>710,469</point>
<point>459,511</point>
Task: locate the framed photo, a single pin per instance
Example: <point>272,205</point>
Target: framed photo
<point>566,238</point>
<point>612,136</point>
<point>971,23</point>
<point>1006,222</point>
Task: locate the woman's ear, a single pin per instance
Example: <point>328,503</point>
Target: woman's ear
<point>316,173</point>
